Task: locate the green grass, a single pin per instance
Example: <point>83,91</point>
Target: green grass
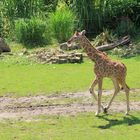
<point>83,126</point>
<point>21,77</point>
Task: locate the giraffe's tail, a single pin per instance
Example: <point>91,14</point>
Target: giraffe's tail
<point>120,82</point>
<point>126,86</point>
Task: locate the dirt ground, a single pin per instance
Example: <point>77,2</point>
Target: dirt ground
<point>57,104</point>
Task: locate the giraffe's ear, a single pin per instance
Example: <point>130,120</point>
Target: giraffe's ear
<point>83,32</point>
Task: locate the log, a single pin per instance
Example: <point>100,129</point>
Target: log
<point>123,41</point>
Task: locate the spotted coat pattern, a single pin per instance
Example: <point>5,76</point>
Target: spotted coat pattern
<point>104,67</point>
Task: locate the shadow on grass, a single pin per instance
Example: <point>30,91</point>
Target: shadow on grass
<point>127,120</point>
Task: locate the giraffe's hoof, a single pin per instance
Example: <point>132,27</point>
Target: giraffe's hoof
<point>90,90</point>
<point>105,110</point>
<point>126,113</point>
<point>97,113</point>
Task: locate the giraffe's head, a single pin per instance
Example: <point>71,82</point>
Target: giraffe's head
<point>76,37</point>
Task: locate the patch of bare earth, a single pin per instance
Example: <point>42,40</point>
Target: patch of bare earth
<point>70,103</point>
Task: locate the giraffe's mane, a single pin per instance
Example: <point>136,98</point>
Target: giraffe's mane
<point>99,52</point>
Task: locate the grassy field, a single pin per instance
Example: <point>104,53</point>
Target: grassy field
<point>20,77</point>
<point>80,127</point>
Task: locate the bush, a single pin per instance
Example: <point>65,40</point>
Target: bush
<point>5,27</point>
<point>86,16</point>
<point>125,27</point>
<point>32,31</point>
<point>127,51</point>
<point>62,24</point>
<point>5,24</point>
<point>104,38</point>
<point>22,8</point>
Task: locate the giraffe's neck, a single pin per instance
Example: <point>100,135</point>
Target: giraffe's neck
<point>92,52</point>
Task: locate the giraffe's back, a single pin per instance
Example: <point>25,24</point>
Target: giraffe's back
<point>109,68</point>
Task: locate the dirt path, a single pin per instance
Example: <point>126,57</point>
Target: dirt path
<point>70,103</point>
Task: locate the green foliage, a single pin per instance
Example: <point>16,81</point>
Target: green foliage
<point>125,27</point>
<point>13,9</point>
<point>5,23</point>
<point>95,15</point>
<point>22,8</point>
<point>127,52</point>
<point>116,10</point>
<point>103,38</point>
<point>62,23</point>
<point>32,31</point>
<point>135,16</point>
<point>50,5</point>
<point>82,126</point>
<point>119,8</point>
<point>5,26</point>
<point>84,10</point>
<point>91,15</point>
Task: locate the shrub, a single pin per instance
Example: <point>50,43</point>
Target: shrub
<point>127,51</point>
<point>85,13</point>
<point>5,23</point>
<point>22,8</point>
<point>62,23</point>
<point>5,27</point>
<point>125,27</point>
<point>103,38</point>
<point>32,31</point>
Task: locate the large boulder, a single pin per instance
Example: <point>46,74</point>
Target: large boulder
<point>3,46</point>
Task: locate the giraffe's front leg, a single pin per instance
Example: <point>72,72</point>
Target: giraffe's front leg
<point>95,82</point>
<point>91,90</point>
<point>117,89</point>
<point>99,96</point>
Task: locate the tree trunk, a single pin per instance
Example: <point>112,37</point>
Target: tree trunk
<point>123,41</point>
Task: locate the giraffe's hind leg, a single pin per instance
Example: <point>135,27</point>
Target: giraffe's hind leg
<point>100,81</point>
<point>126,89</point>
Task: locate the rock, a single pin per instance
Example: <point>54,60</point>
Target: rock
<point>62,61</point>
<point>75,60</point>
<point>63,56</point>
<point>3,46</point>
<point>65,47</point>
<point>25,51</point>
<point>56,56</point>
<point>75,47</point>
<point>79,55</point>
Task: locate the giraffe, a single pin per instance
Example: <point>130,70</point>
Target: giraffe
<point>103,67</point>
